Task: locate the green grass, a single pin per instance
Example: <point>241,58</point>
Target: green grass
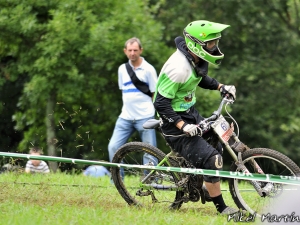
<point>75,199</point>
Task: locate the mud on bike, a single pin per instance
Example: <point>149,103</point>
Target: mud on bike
<point>171,189</point>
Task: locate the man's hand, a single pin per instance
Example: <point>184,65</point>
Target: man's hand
<point>228,89</point>
<point>191,129</point>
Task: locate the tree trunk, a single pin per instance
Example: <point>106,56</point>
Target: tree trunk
<point>50,126</point>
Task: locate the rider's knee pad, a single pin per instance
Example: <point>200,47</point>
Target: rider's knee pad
<point>213,163</point>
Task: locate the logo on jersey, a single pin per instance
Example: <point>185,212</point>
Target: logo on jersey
<point>189,96</point>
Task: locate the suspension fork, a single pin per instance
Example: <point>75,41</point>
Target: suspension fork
<point>240,166</point>
<point>245,148</point>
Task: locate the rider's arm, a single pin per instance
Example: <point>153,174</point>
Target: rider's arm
<point>165,110</point>
<point>209,83</point>
<point>180,124</point>
<point>163,106</point>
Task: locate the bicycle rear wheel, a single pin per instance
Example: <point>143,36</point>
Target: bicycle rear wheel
<point>145,187</point>
<point>270,162</point>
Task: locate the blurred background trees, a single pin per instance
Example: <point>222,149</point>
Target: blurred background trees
<point>59,61</point>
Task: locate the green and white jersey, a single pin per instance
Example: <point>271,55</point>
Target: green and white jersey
<point>178,81</point>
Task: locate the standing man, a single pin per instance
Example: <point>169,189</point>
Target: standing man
<point>175,98</point>
<point>137,106</point>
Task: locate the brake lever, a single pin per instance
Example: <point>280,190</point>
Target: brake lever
<point>229,98</point>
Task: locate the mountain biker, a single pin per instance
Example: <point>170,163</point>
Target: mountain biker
<point>174,100</point>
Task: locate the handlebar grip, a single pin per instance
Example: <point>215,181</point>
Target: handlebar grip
<point>211,118</point>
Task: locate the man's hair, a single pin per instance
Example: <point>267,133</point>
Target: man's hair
<point>132,40</point>
<point>35,150</point>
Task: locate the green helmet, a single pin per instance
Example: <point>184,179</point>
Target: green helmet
<point>198,34</point>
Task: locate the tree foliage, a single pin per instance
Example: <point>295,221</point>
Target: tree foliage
<point>71,50</point>
<point>68,52</point>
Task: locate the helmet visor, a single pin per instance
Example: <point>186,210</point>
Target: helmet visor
<point>211,46</point>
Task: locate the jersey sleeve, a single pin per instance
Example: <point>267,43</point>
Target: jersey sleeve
<point>152,79</point>
<point>120,80</point>
<point>209,83</point>
<point>165,110</point>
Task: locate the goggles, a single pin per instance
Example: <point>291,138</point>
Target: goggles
<point>212,45</point>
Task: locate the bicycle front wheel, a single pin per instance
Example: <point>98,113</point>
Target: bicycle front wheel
<point>145,187</point>
<point>244,193</point>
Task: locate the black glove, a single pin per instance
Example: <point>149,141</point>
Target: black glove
<point>191,129</point>
<point>228,89</point>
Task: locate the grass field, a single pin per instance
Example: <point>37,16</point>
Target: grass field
<point>56,199</point>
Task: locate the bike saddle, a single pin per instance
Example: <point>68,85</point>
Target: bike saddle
<point>151,124</point>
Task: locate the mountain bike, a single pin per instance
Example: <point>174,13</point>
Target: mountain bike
<point>145,187</point>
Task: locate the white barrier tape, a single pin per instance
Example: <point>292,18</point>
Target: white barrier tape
<point>218,173</point>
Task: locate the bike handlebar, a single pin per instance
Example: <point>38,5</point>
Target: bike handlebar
<point>216,114</point>
<point>204,124</point>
